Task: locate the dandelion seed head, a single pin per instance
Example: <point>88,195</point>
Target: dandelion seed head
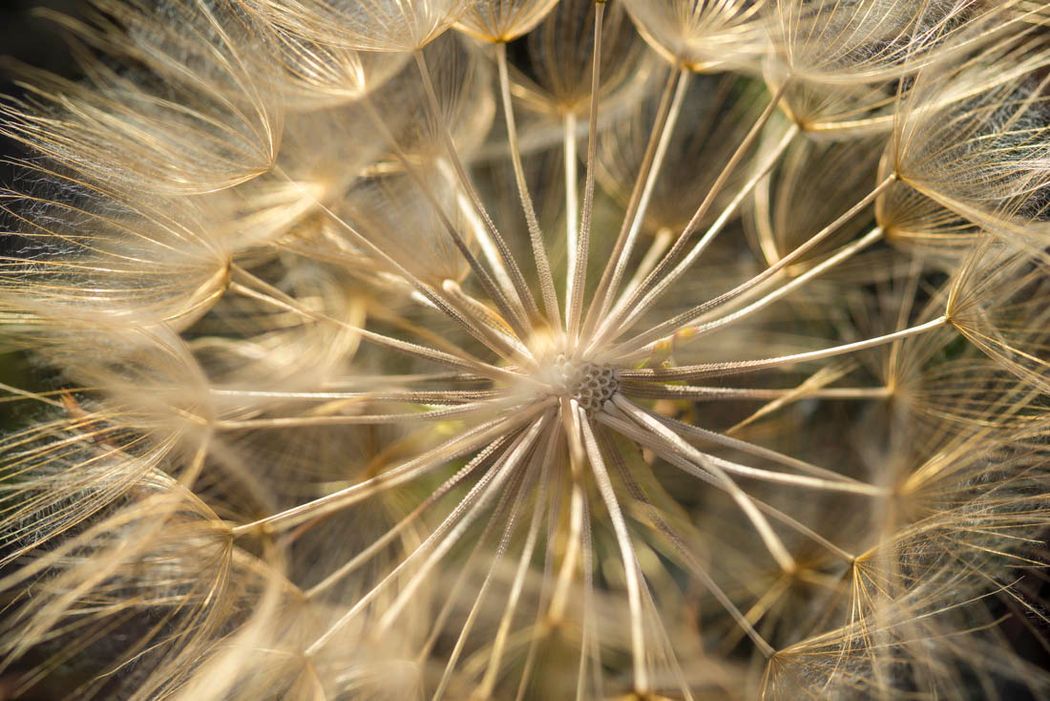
<point>527,349</point>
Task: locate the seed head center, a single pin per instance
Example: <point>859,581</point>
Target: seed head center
<point>590,384</point>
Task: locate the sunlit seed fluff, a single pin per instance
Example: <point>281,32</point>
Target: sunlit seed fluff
<point>502,20</point>
<point>193,113</point>
<point>528,349</point>
<point>706,36</point>
<point>375,25</point>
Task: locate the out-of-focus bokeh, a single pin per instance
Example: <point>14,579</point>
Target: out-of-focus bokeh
<point>27,37</point>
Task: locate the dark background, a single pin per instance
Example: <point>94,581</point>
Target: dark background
<point>34,41</point>
<point>31,39</point>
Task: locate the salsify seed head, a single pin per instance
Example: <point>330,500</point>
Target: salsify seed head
<point>528,349</point>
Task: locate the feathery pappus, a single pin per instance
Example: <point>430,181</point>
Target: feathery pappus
<point>528,350</point>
